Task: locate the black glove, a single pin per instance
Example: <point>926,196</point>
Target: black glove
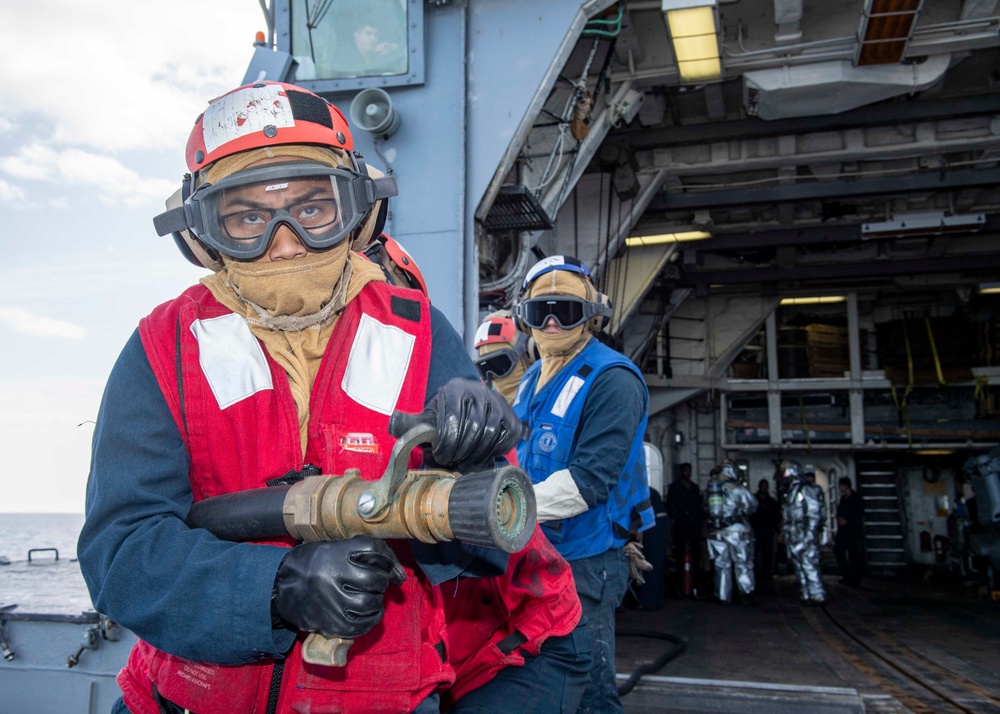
<point>474,425</point>
<point>334,587</point>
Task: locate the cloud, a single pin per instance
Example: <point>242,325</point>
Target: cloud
<point>98,282</point>
<point>40,436</point>
<point>29,324</point>
<point>115,182</point>
<point>9,192</point>
<point>121,75</point>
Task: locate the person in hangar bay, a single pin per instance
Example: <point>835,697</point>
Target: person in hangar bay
<point>586,405</point>
<point>730,540</point>
<point>290,355</point>
<point>803,517</point>
<point>504,353</point>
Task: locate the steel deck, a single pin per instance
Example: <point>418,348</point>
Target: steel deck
<point>892,646</point>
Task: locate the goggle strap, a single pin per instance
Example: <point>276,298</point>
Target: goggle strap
<point>172,221</point>
<point>385,187</point>
<point>368,190</point>
<point>515,352</point>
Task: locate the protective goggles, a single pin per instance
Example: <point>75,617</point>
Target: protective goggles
<point>500,363</point>
<point>567,311</point>
<point>239,215</point>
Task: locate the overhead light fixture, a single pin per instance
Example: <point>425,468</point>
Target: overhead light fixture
<point>989,288</point>
<point>885,31</point>
<point>662,238</point>
<point>934,223</point>
<point>694,32</point>
<point>816,300</point>
<point>934,452</point>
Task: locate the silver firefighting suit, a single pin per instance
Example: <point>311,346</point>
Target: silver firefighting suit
<point>730,540</point>
<point>803,515</point>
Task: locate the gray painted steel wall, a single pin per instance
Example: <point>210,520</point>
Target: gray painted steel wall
<point>486,62</point>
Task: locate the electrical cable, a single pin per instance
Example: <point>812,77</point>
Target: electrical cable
<point>656,664</point>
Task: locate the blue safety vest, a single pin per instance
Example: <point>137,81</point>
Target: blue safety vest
<point>554,415</point>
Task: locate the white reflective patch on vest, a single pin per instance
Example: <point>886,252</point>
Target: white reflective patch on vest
<point>231,359</point>
<point>245,112</point>
<point>569,391</point>
<point>377,366</point>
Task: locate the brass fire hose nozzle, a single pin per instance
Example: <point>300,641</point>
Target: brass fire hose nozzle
<point>494,508</point>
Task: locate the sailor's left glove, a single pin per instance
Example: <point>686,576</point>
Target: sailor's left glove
<point>474,425</point>
<point>335,587</point>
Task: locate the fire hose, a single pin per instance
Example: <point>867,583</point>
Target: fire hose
<point>492,507</point>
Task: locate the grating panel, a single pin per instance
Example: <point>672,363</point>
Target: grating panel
<point>516,209</point>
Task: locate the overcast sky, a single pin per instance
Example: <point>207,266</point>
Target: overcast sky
<point>96,102</point>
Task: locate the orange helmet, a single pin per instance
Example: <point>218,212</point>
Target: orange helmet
<point>397,264</point>
<point>265,114</point>
<point>496,329</point>
<point>501,346</point>
<point>260,115</point>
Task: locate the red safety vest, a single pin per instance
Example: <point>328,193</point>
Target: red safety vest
<point>241,432</point>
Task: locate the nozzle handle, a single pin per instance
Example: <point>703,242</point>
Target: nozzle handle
<point>401,422</point>
<point>327,651</point>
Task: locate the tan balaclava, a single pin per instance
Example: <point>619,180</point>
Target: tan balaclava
<point>291,305</point>
<point>557,350</point>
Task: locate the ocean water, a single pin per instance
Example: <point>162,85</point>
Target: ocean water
<point>44,585</point>
<point>19,532</point>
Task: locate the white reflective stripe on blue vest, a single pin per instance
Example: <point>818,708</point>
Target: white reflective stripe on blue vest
<point>565,398</point>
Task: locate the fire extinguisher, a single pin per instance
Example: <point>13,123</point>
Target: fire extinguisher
<point>687,573</point>
<point>940,548</point>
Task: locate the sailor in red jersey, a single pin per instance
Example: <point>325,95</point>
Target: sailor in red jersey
<point>293,352</point>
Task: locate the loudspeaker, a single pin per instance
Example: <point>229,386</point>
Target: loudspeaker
<point>372,111</point>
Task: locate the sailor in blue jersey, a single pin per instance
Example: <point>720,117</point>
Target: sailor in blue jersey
<point>586,405</point>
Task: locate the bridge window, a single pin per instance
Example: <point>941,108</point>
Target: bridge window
<point>348,44</point>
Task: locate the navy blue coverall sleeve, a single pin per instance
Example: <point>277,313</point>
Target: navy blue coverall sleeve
<point>612,414</point>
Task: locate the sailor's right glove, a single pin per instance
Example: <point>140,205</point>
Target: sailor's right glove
<point>474,424</point>
<point>334,588</point>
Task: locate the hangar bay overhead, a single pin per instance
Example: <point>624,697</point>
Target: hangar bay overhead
<point>834,148</point>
